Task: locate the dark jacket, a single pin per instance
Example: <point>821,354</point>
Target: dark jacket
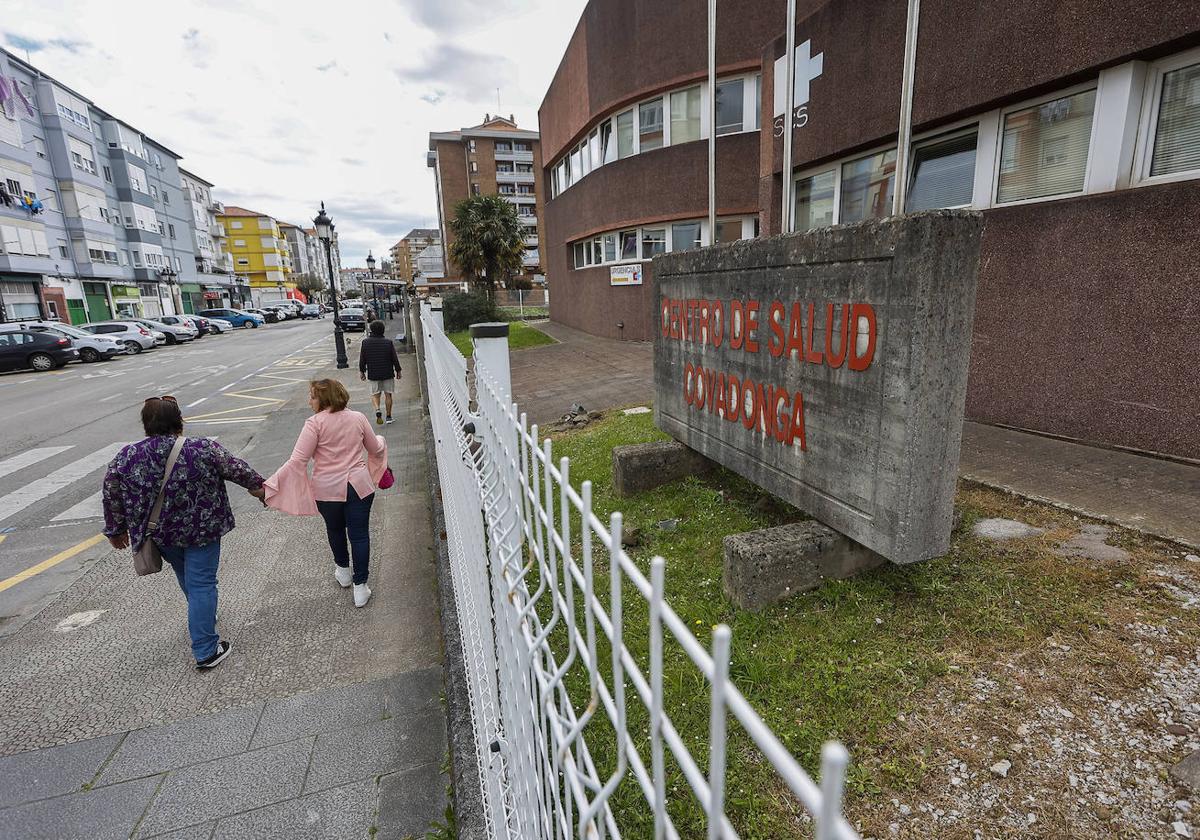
<point>377,358</point>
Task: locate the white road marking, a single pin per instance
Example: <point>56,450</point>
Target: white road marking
<point>226,387</point>
<point>89,508</point>
<point>28,457</point>
<point>77,621</point>
<point>106,399</point>
<point>197,402</point>
<point>32,493</point>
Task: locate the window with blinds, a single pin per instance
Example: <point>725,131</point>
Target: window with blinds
<point>943,173</point>
<point>1177,139</point>
<point>1044,150</point>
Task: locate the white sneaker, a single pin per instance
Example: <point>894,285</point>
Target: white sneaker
<point>362,594</point>
<point>344,575</point>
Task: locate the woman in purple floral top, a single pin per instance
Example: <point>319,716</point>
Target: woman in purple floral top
<point>195,512</point>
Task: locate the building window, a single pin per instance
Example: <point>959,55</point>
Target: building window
<point>685,236</point>
<point>577,251</point>
<point>685,115</point>
<point>243,261</point>
<point>650,121</point>
<point>39,147</point>
<point>729,230</point>
<point>730,106</point>
<point>63,253</point>
<point>867,185</point>
<point>1177,134</point>
<point>593,144</point>
<point>815,201</point>
<point>943,173</point>
<point>610,247</point>
<point>171,228</point>
<point>474,167</point>
<point>166,196</point>
<point>14,187</point>
<point>235,225</point>
<point>501,146</point>
<point>522,147</point>
<point>629,244</point>
<point>624,134</point>
<point>471,146</point>
<point>1045,148</point>
<point>153,191</point>
<point>108,174</point>
<point>654,241</point>
<point>474,189</point>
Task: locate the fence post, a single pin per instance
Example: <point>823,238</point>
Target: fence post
<point>421,348</point>
<point>435,309</point>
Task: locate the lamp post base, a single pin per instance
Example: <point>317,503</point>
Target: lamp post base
<point>339,341</point>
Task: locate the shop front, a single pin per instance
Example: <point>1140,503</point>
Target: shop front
<point>96,301</point>
<point>127,301</point>
<point>20,297</point>
<point>192,295</point>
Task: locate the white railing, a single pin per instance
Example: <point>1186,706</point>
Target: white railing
<point>543,632</point>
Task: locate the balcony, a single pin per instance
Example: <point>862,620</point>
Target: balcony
<point>216,229</point>
<point>515,156</point>
<point>216,207</point>
<point>514,177</point>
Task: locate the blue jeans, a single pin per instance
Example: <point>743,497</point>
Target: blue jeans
<point>196,569</point>
<point>351,517</point>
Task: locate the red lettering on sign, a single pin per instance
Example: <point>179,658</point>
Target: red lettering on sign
<point>751,326</point>
<point>867,312</point>
<point>780,401</point>
<point>735,399</point>
<point>778,343</point>
<point>835,358</point>
<point>763,400</point>
<point>666,317</point>
<point>795,344</point>
<point>722,403</point>
<point>717,323</point>
<point>688,372</point>
<point>749,420</point>
<point>737,324</point>
<point>796,428</point>
<point>813,358</point>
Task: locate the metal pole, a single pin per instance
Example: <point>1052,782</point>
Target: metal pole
<point>904,141</point>
<point>789,73</point>
<point>712,122</point>
<point>339,340</point>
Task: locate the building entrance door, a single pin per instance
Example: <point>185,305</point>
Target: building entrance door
<point>97,302</point>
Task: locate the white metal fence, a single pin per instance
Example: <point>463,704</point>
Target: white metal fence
<point>541,585</point>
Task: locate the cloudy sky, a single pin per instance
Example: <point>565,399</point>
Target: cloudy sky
<point>283,105</point>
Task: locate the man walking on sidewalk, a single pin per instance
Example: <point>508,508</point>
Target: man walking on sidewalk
<point>379,364</point>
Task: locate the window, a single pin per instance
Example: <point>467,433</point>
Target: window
<point>474,167</point>
<point>166,196</point>
<point>153,191</point>
<point>654,241</point>
<point>500,167</point>
<point>580,260</point>
<point>137,258</point>
<point>50,200</point>
<point>171,228</point>
<point>525,167</point>
<point>267,242</point>
<point>239,243</point>
<point>624,134</point>
<point>610,247</point>
<point>729,230</point>
<point>471,146</point>
<point>814,201</point>
<point>474,189</point>
<point>235,225</point>
<point>39,147</point>
<point>104,214</point>
<point>867,185</point>
<point>14,187</point>
<point>1045,148</point>
<point>593,144</point>
<point>522,147</point>
<point>629,244</point>
<point>63,253</point>
<point>943,174</point>
<point>685,236</point>
<point>730,106</point>
<point>650,118</point>
<point>264,224</point>
<point>501,146</point>
<point>108,174</point>
<point>1177,135</point>
<point>243,261</point>
<point>685,115</point>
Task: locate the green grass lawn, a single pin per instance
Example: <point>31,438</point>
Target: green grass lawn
<point>839,662</point>
<point>520,336</point>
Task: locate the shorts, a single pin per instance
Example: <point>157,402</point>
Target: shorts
<point>382,386</point>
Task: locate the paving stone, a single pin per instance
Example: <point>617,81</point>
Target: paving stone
<point>1004,529</point>
<point>110,812</point>
<point>228,786</point>
<point>320,711</point>
<point>410,802</point>
<point>335,814</point>
<point>193,832</point>
<point>367,751</point>
<point>414,691</point>
<point>51,772</point>
<point>199,739</point>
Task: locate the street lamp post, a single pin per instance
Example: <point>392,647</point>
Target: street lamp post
<point>324,228</point>
<point>371,280</point>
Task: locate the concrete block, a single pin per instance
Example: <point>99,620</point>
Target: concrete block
<point>644,466</point>
<point>766,566</point>
<point>104,814</point>
<point>411,801</point>
<point>40,774</point>
<point>333,814</point>
<point>320,711</point>
<point>830,368</point>
<point>366,751</point>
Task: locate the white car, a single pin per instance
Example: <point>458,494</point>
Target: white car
<point>184,322</point>
<point>135,337</point>
<point>92,348</point>
<point>173,333</point>
<point>216,326</point>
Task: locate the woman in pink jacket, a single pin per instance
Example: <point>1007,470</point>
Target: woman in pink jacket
<point>343,481</point>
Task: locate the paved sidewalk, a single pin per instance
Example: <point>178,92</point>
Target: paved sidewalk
<point>1152,495</point>
<point>326,721</point>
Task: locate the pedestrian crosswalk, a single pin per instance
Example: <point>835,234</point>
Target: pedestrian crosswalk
<point>29,457</point>
<point>18,500</point>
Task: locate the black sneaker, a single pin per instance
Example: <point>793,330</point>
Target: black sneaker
<point>378,418</point>
<point>223,649</point>
<point>388,420</point>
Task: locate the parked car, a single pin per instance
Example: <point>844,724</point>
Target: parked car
<point>288,308</point>
<point>270,316</point>
<point>186,322</point>
<point>20,349</point>
<point>310,310</point>
<point>352,319</point>
<point>216,326</point>
<point>92,348</point>
<point>175,333</point>
<point>236,317</point>
<point>134,336</point>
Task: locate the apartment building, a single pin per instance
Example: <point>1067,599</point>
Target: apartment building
<point>92,221</point>
<point>308,256</point>
<point>1080,145</point>
<point>260,252</point>
<point>493,158</point>
<point>404,253</point>
<point>217,283</point>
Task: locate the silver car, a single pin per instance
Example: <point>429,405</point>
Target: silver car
<point>175,333</point>
<point>133,336</point>
<point>92,348</point>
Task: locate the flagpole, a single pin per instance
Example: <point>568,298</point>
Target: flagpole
<point>904,138</point>
<point>789,73</point>
<point>712,122</point>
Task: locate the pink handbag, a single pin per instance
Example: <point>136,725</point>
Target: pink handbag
<point>387,479</point>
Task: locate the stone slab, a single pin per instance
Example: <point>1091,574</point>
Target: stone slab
<point>848,348</point>
<point>110,812</point>
<point>320,711</point>
<point>643,466</point>
<point>410,802</point>
<point>367,751</point>
<point>1187,772</point>
<point>40,774</point>
<point>340,813</point>
<point>228,786</point>
<point>203,831</point>
<point>766,566</point>
<point>419,690</point>
<point>157,749</point>
<point>1000,530</point>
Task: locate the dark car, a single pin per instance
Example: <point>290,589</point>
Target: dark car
<point>352,319</point>
<point>20,349</point>
<point>268,315</point>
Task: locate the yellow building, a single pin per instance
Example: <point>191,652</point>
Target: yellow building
<point>260,252</point>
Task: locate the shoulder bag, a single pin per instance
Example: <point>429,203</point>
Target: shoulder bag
<point>147,559</point>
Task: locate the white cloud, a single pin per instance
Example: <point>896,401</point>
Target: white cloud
<point>283,107</point>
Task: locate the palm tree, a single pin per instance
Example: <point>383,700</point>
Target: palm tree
<point>489,240</point>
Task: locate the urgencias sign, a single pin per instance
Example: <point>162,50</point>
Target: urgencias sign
<point>830,368</point>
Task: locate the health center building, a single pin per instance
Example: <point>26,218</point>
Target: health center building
<point>1077,135</point>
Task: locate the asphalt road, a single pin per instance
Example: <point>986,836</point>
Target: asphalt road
<point>59,430</point>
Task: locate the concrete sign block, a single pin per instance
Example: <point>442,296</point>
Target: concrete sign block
<point>830,368</point>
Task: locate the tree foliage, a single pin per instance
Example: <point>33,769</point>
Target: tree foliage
<point>489,240</point>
